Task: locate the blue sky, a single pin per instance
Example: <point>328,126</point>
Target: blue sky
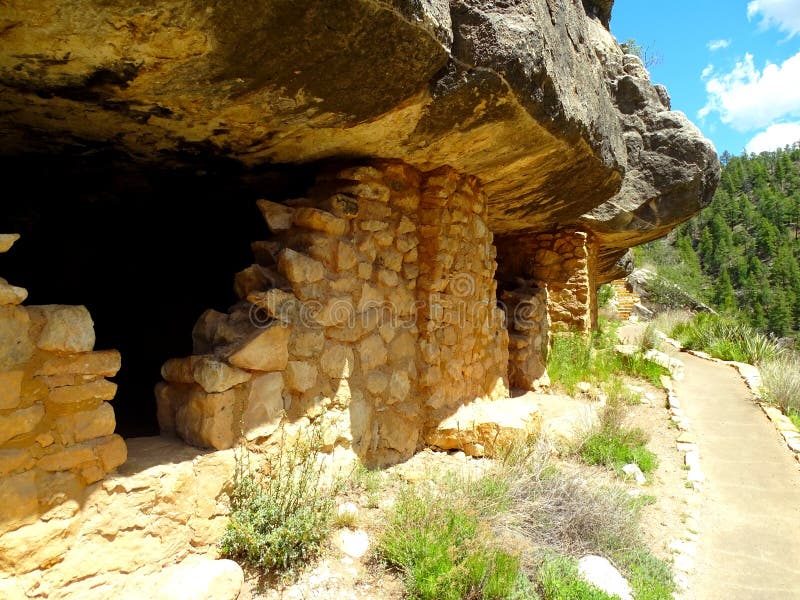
<point>733,66</point>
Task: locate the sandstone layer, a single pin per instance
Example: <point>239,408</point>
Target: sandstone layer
<point>535,99</point>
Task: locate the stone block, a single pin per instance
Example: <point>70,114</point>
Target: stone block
<point>19,503</point>
<point>206,420</point>
<point>319,220</point>
<point>10,389</point>
<point>300,376</point>
<point>20,422</point>
<point>11,294</point>
<point>346,257</point>
<point>15,459</point>
<point>277,216</point>
<point>168,397</point>
<point>67,458</point>
<point>16,346</point>
<point>66,328</point>
<point>299,268</point>
<point>399,386</point>
<point>377,382</point>
<point>267,350</point>
<point>337,361</point>
<point>254,278</point>
<point>216,376</point>
<point>264,407</point>
<point>280,305</point>
<point>104,363</point>
<point>372,352</point>
<point>336,312</point>
<point>306,343</point>
<point>77,397</point>
<point>7,240</point>
<point>85,425</point>
<point>111,451</point>
<point>179,370</point>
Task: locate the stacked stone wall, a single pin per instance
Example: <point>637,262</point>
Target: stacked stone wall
<point>56,423</point>
<point>529,336</point>
<point>565,261</point>
<point>374,293</point>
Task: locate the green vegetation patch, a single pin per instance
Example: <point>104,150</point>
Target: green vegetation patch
<point>445,551</point>
<point>280,517</point>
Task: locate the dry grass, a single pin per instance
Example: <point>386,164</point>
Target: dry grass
<point>780,379</point>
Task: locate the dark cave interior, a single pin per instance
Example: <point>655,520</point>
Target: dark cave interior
<point>145,248</point>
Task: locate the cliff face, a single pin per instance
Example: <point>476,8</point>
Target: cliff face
<point>535,99</point>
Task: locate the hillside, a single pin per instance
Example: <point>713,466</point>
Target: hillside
<point>742,253</point>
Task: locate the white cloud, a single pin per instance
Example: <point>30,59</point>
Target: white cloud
<point>748,99</point>
<point>718,44</point>
<point>775,136</point>
<point>783,14</point>
<point>707,71</point>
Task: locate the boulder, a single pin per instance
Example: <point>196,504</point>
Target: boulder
<point>602,574</point>
<point>200,579</point>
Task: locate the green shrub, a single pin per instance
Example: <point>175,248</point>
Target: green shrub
<point>727,338</point>
<point>616,448</point>
<point>445,551</point>
<point>279,519</point>
<point>559,580</point>
<point>604,294</point>
<point>649,576</point>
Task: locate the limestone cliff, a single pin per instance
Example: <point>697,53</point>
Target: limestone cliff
<point>536,99</point>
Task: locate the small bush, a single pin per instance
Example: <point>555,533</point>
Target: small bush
<point>445,551</point>
<point>780,383</point>
<point>604,294</point>
<point>650,339</point>
<point>559,580</point>
<point>279,518</point>
<point>617,448</point>
<point>649,576</point>
<point>566,515</point>
<point>727,338</point>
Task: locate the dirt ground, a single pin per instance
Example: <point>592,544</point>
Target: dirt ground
<point>337,576</point>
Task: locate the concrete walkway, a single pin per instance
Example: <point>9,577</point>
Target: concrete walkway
<point>749,512</point>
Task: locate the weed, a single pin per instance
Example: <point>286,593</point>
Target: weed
<point>279,518</point>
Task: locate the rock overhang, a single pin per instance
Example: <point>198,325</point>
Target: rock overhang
<point>535,99</point>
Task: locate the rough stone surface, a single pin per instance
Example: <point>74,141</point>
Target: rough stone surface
<point>7,240</point>
<point>483,428</point>
<point>66,328</point>
<point>201,579</point>
<point>382,318</point>
<point>536,99</point>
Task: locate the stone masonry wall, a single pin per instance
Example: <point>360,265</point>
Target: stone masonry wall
<point>56,425</point>
<point>529,335</point>
<point>565,261</point>
<point>374,292</point>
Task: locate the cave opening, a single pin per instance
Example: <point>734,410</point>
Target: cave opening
<point>146,248</point>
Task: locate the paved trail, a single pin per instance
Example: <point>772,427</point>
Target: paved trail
<point>749,543</point>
